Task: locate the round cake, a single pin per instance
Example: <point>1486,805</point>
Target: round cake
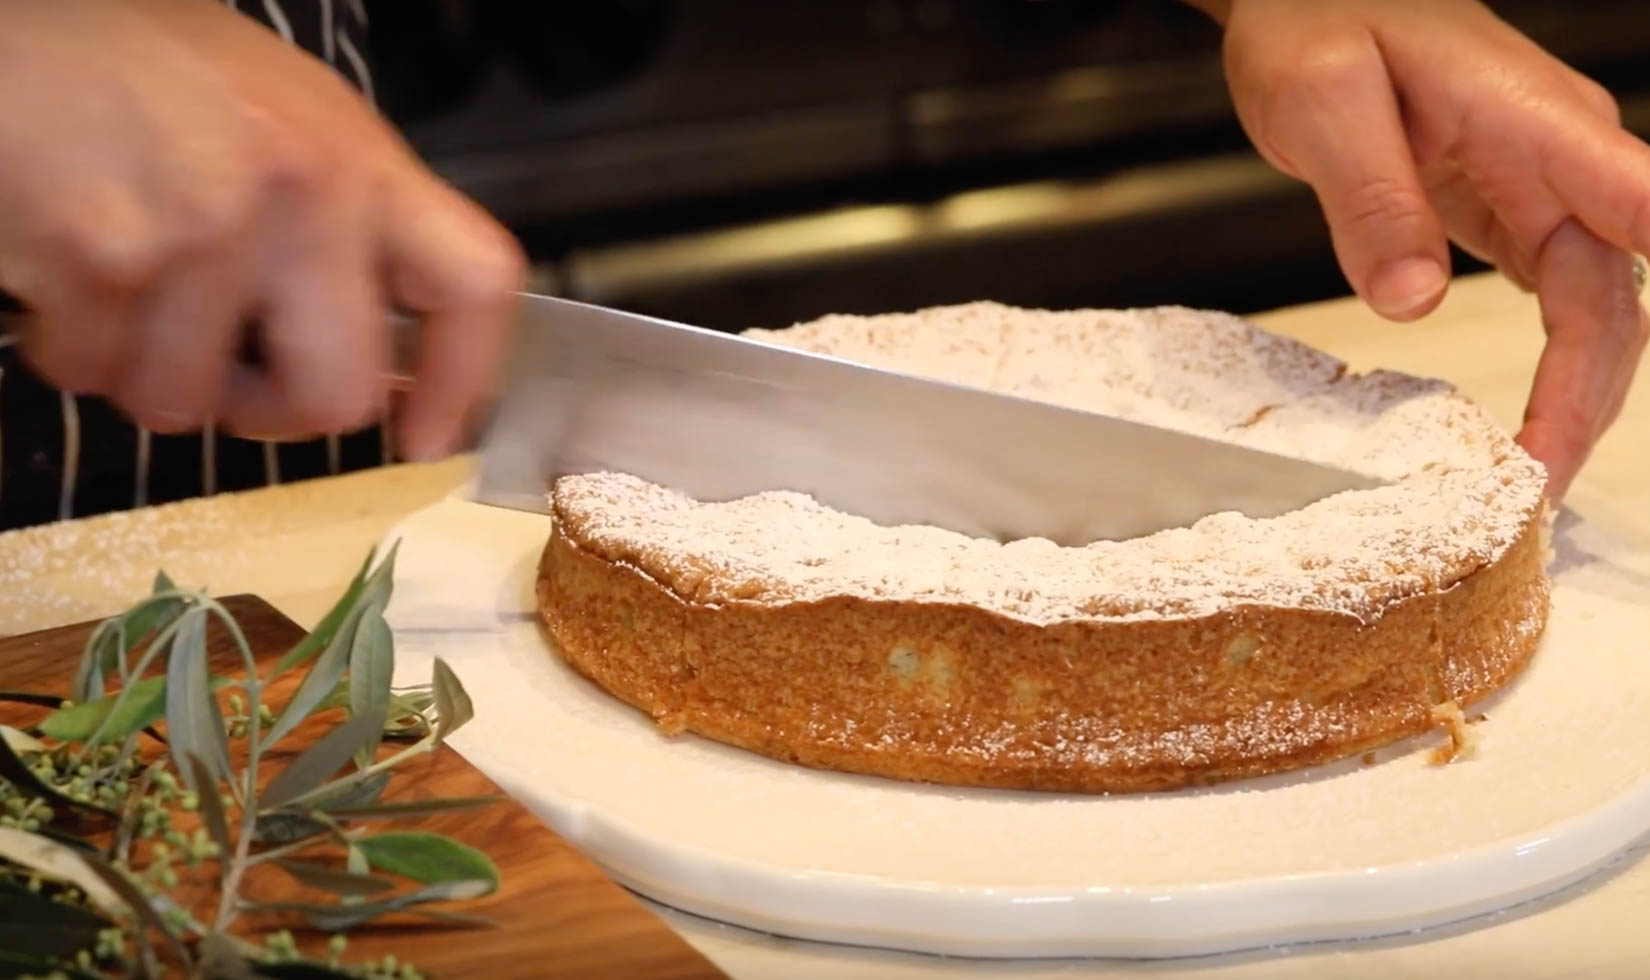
<point>1230,648</point>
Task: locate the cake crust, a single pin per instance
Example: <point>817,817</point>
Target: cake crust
<point>1232,648</point>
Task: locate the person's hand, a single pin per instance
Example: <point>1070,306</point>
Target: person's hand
<point>1416,119</point>
<point>170,170</point>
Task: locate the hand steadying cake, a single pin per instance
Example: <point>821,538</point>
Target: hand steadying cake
<point>167,169</point>
<point>1414,120</point>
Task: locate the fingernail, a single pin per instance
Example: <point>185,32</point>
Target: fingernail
<point>1403,288</point>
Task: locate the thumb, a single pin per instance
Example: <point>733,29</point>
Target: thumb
<point>1335,124</point>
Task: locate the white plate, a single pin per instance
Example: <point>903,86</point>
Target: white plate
<point>1560,785</point>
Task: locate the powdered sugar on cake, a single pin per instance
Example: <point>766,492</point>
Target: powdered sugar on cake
<point>1462,491</point>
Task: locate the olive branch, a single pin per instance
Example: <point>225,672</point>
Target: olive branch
<point>100,905</point>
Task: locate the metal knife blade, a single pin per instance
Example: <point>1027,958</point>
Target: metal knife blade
<point>718,416</point>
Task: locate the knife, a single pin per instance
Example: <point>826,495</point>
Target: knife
<point>718,416</point>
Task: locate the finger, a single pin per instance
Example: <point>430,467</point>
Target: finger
<point>322,331</point>
<point>1601,174</point>
<point>74,339</point>
<point>1595,336</point>
<point>451,264</point>
<point>174,372</point>
<point>1472,224</point>
<point>1388,238</point>
<point>83,286</point>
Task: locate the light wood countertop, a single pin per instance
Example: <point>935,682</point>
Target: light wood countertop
<point>297,545</point>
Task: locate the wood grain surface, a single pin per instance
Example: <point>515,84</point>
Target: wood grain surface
<point>558,915</point>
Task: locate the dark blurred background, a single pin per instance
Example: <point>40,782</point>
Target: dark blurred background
<point>738,163</point>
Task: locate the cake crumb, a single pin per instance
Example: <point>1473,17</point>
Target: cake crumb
<point>1463,740</point>
<point>1369,758</point>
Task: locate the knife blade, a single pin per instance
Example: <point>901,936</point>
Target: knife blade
<point>718,416</point>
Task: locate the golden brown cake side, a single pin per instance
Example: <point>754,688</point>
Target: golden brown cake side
<point>1231,647</point>
<point>956,694</point>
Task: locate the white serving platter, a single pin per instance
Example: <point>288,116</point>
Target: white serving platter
<point>1559,786</point>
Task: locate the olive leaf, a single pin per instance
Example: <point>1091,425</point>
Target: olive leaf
<point>325,673</point>
<point>36,924</point>
<point>322,635</point>
<point>452,702</point>
<point>100,660</point>
<point>211,809</point>
<point>116,881</point>
<point>20,741</point>
<point>112,717</point>
<point>24,965</point>
<point>117,637</point>
<point>316,764</point>
<point>410,808</point>
<point>194,723</point>
<point>143,705</point>
<point>332,880</point>
<point>286,827</point>
<point>428,857</point>
<point>363,792</point>
<point>17,772</point>
<point>303,970</point>
<point>323,676</point>
<point>341,917</point>
<point>50,859</point>
<point>371,665</point>
<point>31,697</point>
<point>369,583</point>
<point>221,960</point>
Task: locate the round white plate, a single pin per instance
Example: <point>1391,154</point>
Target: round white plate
<point>1560,785</point>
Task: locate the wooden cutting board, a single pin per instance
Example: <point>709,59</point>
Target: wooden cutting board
<point>558,914</point>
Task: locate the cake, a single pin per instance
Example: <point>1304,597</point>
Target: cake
<point>1230,648</point>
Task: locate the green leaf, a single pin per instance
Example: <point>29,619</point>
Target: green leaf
<point>363,792</point>
<point>220,959</point>
<point>338,918</point>
<point>286,827</point>
<point>371,665</point>
<point>98,661</point>
<point>56,861</point>
<point>427,857</point>
<point>364,590</point>
<point>194,723</point>
<point>452,702</point>
<point>134,899</point>
<point>80,844</point>
<point>17,772</point>
<point>36,924</point>
<point>303,970</point>
<point>332,880</point>
<point>21,742</point>
<point>411,808</point>
<point>117,637</point>
<point>29,697</point>
<point>24,965</point>
<point>143,705</point>
<point>321,680</point>
<point>316,764</point>
<point>211,810</point>
<point>321,636</point>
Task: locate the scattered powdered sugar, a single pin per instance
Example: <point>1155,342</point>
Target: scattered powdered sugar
<point>1462,491</point>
